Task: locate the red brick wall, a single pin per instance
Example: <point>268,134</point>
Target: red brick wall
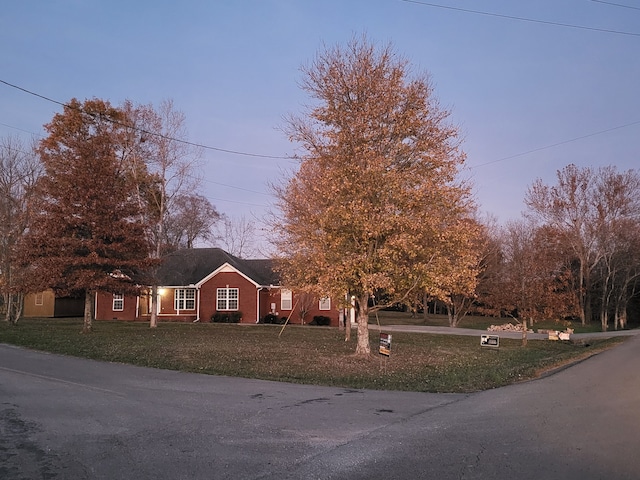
<point>104,307</point>
<point>247,296</point>
<point>312,303</point>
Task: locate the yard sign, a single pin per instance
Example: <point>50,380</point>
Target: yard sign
<point>385,344</point>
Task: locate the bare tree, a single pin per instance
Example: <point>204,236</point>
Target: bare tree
<point>163,163</point>
<point>568,207</point>
<point>237,235</point>
<point>19,172</point>
<point>192,218</point>
<point>589,208</point>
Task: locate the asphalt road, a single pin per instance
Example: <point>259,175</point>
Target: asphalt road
<point>68,418</point>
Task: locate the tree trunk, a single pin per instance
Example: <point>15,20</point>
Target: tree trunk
<point>87,326</point>
<point>581,294</point>
<point>623,318</point>
<point>604,320</point>
<point>18,305</point>
<point>363,347</point>
<point>425,306</point>
<point>153,319</point>
<point>8,303</point>
<point>450,315</point>
<point>347,319</point>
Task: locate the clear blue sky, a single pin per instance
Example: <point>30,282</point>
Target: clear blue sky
<point>232,67</point>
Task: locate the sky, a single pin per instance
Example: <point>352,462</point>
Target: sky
<point>534,85</point>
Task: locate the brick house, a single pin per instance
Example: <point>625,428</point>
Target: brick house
<point>195,284</point>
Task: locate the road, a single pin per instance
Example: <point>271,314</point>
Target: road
<point>69,418</point>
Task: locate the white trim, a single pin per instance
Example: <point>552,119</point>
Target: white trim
<point>227,299</point>
<point>258,290</point>
<point>197,305</point>
<point>114,299</point>
<point>178,300</point>
<point>227,268</point>
<point>289,293</point>
<point>320,302</point>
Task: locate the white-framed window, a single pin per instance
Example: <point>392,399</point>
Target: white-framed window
<point>118,302</point>
<point>325,303</point>
<point>286,299</point>
<point>227,298</point>
<point>39,299</point>
<point>184,299</point>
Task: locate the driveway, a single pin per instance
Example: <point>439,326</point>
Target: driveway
<point>69,418</point>
<point>472,332</point>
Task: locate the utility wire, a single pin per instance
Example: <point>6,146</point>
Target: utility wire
<point>290,158</point>
<point>522,19</point>
<point>191,176</point>
<point>145,132</point>
<point>616,4</point>
<point>554,145</point>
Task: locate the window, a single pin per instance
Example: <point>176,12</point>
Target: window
<point>184,299</point>
<point>227,298</point>
<point>39,299</point>
<point>325,303</point>
<point>286,299</point>
<point>118,302</point>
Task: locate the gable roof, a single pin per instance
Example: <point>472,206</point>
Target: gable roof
<point>189,266</point>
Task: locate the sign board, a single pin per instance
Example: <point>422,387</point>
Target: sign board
<point>489,341</point>
<point>385,344</point>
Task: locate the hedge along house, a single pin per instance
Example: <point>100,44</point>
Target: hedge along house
<point>194,285</point>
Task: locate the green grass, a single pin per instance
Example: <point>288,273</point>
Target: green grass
<point>303,354</point>
<point>478,323</point>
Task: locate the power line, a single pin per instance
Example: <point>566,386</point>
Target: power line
<point>191,176</point>
<point>616,4</point>
<point>290,158</point>
<point>510,157</point>
<point>20,129</point>
<point>522,19</point>
<point>145,132</point>
<point>236,201</point>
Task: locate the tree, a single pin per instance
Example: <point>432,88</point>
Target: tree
<point>462,257</point>
<point>86,234</point>
<point>568,207</point>
<point>162,163</point>
<point>237,236</point>
<point>375,196</point>
<point>19,171</point>
<point>191,218</point>
<point>617,202</point>
<point>588,209</point>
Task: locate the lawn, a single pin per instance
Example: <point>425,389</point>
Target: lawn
<point>387,317</point>
<point>303,354</point>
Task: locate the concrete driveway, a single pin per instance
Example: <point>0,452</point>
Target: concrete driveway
<point>69,418</point>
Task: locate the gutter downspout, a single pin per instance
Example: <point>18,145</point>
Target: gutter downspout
<point>258,304</point>
<point>197,306</point>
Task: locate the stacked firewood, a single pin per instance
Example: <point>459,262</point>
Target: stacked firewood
<point>507,327</point>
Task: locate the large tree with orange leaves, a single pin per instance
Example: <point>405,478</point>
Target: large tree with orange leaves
<point>86,234</point>
<point>375,198</point>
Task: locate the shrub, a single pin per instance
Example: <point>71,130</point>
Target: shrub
<point>269,318</point>
<point>226,317</point>
<point>321,320</point>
